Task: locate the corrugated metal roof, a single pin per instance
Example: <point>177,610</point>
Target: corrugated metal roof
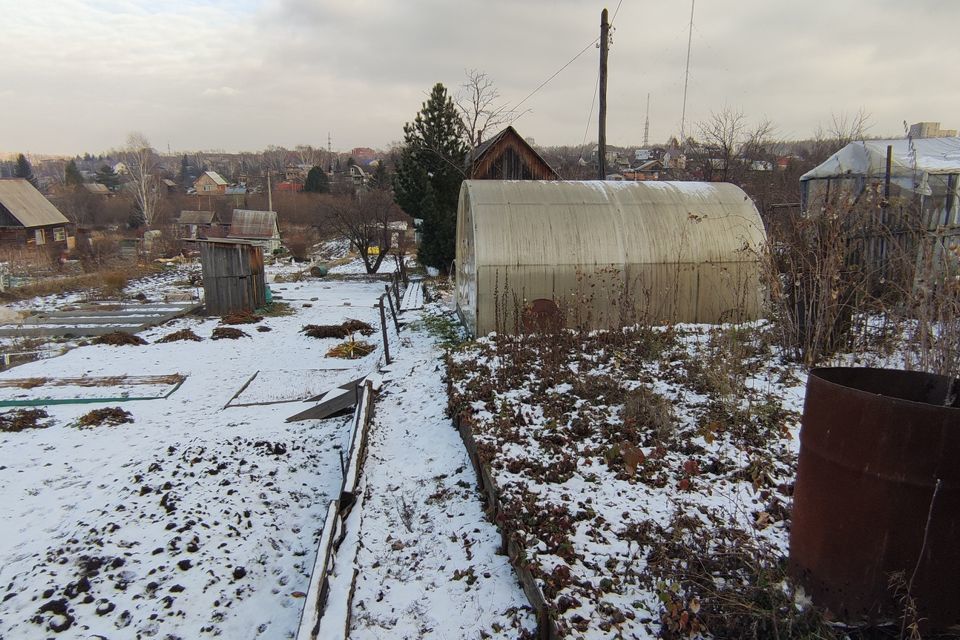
<point>197,217</point>
<point>216,177</point>
<point>254,224</point>
<point>28,205</point>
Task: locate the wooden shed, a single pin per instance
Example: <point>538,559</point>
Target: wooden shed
<point>604,254</point>
<point>507,156</point>
<point>258,227</point>
<point>232,275</point>
<point>28,218</point>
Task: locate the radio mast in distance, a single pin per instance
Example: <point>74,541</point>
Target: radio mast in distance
<point>646,125</point>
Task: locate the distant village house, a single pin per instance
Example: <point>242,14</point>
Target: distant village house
<point>210,183</point>
<point>27,218</point>
<point>259,227</point>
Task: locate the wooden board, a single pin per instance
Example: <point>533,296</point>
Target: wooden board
<point>46,391</point>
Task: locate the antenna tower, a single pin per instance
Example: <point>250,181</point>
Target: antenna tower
<point>646,125</point>
<point>686,78</point>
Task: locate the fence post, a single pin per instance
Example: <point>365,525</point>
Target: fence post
<point>383,330</point>
<point>393,312</point>
<point>396,290</point>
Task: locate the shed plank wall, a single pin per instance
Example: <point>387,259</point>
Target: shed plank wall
<point>233,277</point>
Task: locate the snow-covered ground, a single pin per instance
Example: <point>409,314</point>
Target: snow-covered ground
<point>428,558</point>
<point>624,459</point>
<point>194,520</point>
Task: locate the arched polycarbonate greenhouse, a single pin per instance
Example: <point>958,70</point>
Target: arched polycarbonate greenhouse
<point>602,254</point>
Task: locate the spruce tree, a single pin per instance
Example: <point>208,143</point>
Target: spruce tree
<point>72,176</point>
<point>380,179</point>
<point>108,177</point>
<point>24,170</point>
<point>317,181</point>
<point>429,173</point>
<point>183,178</point>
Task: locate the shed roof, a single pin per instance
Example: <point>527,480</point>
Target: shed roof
<point>498,144</point>
<point>254,224</point>
<point>97,188</point>
<point>198,217</point>
<point>28,205</point>
<point>216,177</point>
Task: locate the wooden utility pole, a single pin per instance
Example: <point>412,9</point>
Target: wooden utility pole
<point>602,134</point>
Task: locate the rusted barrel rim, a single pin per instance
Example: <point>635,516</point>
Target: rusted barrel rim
<point>857,375</point>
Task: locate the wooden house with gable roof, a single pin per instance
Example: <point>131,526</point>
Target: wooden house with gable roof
<point>258,227</point>
<point>507,156</point>
<point>28,218</point>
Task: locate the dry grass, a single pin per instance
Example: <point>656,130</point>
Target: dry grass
<point>177,336</point>
<point>21,419</point>
<point>119,338</point>
<point>241,317</point>
<point>106,283</point>
<point>106,417</point>
<point>339,331</point>
<point>276,309</point>
<point>112,283</point>
<point>228,333</point>
<point>351,350</point>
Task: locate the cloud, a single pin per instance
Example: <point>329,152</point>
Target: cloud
<point>221,92</point>
<point>359,70</point>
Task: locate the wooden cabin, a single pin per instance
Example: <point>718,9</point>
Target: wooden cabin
<point>27,218</point>
<point>507,156</point>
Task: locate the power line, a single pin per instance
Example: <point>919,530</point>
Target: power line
<point>615,12</point>
<point>556,73</point>
<point>586,129</point>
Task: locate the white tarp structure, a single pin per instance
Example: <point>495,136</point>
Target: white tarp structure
<point>927,167</point>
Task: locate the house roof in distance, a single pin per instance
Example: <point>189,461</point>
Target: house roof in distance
<point>28,205</point>
<point>198,217</point>
<point>97,188</point>
<point>216,177</point>
<point>247,223</point>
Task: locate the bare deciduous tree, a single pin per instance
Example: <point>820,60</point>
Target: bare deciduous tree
<point>480,107</point>
<point>728,146</point>
<point>310,155</point>
<point>143,165</point>
<point>275,159</point>
<point>365,221</point>
<point>844,128</point>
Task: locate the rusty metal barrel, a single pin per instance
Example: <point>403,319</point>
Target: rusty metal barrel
<point>878,493</point>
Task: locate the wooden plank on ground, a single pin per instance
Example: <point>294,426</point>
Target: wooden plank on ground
<point>334,401</point>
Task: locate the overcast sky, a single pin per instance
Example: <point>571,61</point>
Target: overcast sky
<point>79,75</point>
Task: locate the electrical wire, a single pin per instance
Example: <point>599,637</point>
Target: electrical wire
<point>586,129</point>
<point>556,73</point>
<point>615,12</point>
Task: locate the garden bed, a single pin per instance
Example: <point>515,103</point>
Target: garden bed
<point>643,477</point>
